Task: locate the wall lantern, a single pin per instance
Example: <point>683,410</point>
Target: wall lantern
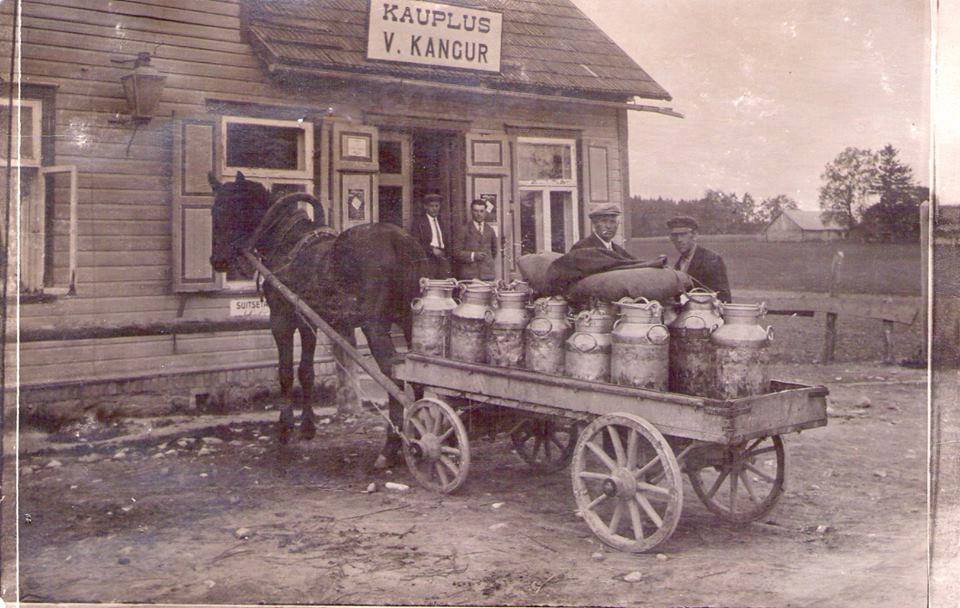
<point>143,87</point>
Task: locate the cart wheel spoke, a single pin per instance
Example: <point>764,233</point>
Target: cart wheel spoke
<point>599,453</point>
<point>759,467</point>
<point>635,520</point>
<point>759,473</point>
<point>748,486</point>
<point>733,492</point>
<point>649,510</point>
<point>421,430</point>
<point>446,449</point>
<point>592,475</point>
<point>446,434</point>
<point>619,442</point>
<point>596,501</point>
<point>632,449</point>
<point>449,464</point>
<point>717,484</point>
<point>614,434</point>
<point>441,473</point>
<point>652,488</point>
<point>615,519</point>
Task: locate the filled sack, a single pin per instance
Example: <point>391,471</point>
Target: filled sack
<point>533,268</point>
<point>660,284</point>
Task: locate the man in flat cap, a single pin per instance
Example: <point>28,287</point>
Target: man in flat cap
<point>605,220</point>
<point>426,229</point>
<point>705,266</point>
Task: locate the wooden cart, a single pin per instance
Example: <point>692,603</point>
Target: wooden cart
<point>629,447</point>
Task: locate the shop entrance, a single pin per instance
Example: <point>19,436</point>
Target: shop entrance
<point>413,163</point>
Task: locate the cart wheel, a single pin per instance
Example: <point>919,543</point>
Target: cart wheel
<point>717,473</point>
<point>437,450</point>
<point>545,445</point>
<point>627,482</point>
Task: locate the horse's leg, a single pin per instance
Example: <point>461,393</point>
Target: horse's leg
<point>305,373</point>
<point>282,326</point>
<point>378,337</point>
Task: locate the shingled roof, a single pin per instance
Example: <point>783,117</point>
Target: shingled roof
<point>548,46</point>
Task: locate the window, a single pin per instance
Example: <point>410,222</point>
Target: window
<point>548,195</point>
<point>47,213</point>
<point>27,115</point>
<point>275,153</point>
<point>274,149</point>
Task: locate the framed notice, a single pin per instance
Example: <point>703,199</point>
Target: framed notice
<point>356,199</point>
<point>355,146</point>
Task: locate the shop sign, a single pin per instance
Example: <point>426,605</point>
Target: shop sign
<point>249,307</point>
<point>430,33</point>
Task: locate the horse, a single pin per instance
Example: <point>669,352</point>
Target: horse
<point>363,277</point>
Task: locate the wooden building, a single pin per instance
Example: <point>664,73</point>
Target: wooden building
<point>797,225</point>
<point>368,105</point>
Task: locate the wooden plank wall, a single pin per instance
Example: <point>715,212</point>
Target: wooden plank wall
<point>124,244</point>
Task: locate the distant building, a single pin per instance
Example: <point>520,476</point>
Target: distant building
<point>796,225</point>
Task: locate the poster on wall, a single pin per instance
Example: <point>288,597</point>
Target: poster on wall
<point>356,205</point>
<point>491,200</point>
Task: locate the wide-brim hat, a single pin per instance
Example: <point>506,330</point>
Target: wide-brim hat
<point>682,222</point>
<point>605,211</point>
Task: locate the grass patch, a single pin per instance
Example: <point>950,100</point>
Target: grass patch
<point>868,268</point>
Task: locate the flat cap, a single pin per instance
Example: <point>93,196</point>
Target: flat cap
<point>433,196</point>
<point>603,210</point>
<point>682,221</point>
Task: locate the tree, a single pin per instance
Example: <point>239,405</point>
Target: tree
<point>848,183</point>
<point>770,208</point>
<point>894,179</point>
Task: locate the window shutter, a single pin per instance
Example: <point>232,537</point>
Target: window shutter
<point>356,175</point>
<point>195,154</point>
<point>488,178</point>
<point>599,186</point>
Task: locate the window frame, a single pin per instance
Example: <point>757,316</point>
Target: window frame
<point>305,147</point>
<point>36,138</point>
<point>548,186</point>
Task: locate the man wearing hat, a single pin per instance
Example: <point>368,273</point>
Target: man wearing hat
<point>705,266</point>
<point>605,221</point>
<point>426,229</point>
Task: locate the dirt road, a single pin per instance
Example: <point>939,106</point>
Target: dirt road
<point>215,513</point>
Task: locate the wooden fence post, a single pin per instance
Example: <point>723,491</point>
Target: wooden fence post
<point>830,333</point>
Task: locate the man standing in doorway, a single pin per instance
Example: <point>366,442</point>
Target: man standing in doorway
<point>704,266</point>
<point>475,246</point>
<point>426,229</point>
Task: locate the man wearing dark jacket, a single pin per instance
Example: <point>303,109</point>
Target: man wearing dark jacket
<point>475,246</point>
<point>705,266</point>
<point>426,229</point>
<point>604,221</point>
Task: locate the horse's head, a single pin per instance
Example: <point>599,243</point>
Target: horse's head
<point>238,208</point>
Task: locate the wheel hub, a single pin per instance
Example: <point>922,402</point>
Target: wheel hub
<point>620,483</point>
<point>429,446</point>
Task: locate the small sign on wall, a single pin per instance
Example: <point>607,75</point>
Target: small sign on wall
<point>249,307</point>
<point>429,33</point>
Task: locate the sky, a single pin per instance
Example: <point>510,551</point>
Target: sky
<point>771,90</point>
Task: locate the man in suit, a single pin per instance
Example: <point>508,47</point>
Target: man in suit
<point>604,222</point>
<point>705,266</point>
<point>426,229</point>
<point>475,246</point>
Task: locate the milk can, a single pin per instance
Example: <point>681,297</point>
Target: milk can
<point>692,360</point>
<point>505,336</point>
<point>431,317</point>
<point>639,353</point>
<point>545,335</point>
<point>741,351</point>
<point>587,350</point>
<point>469,322</point>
